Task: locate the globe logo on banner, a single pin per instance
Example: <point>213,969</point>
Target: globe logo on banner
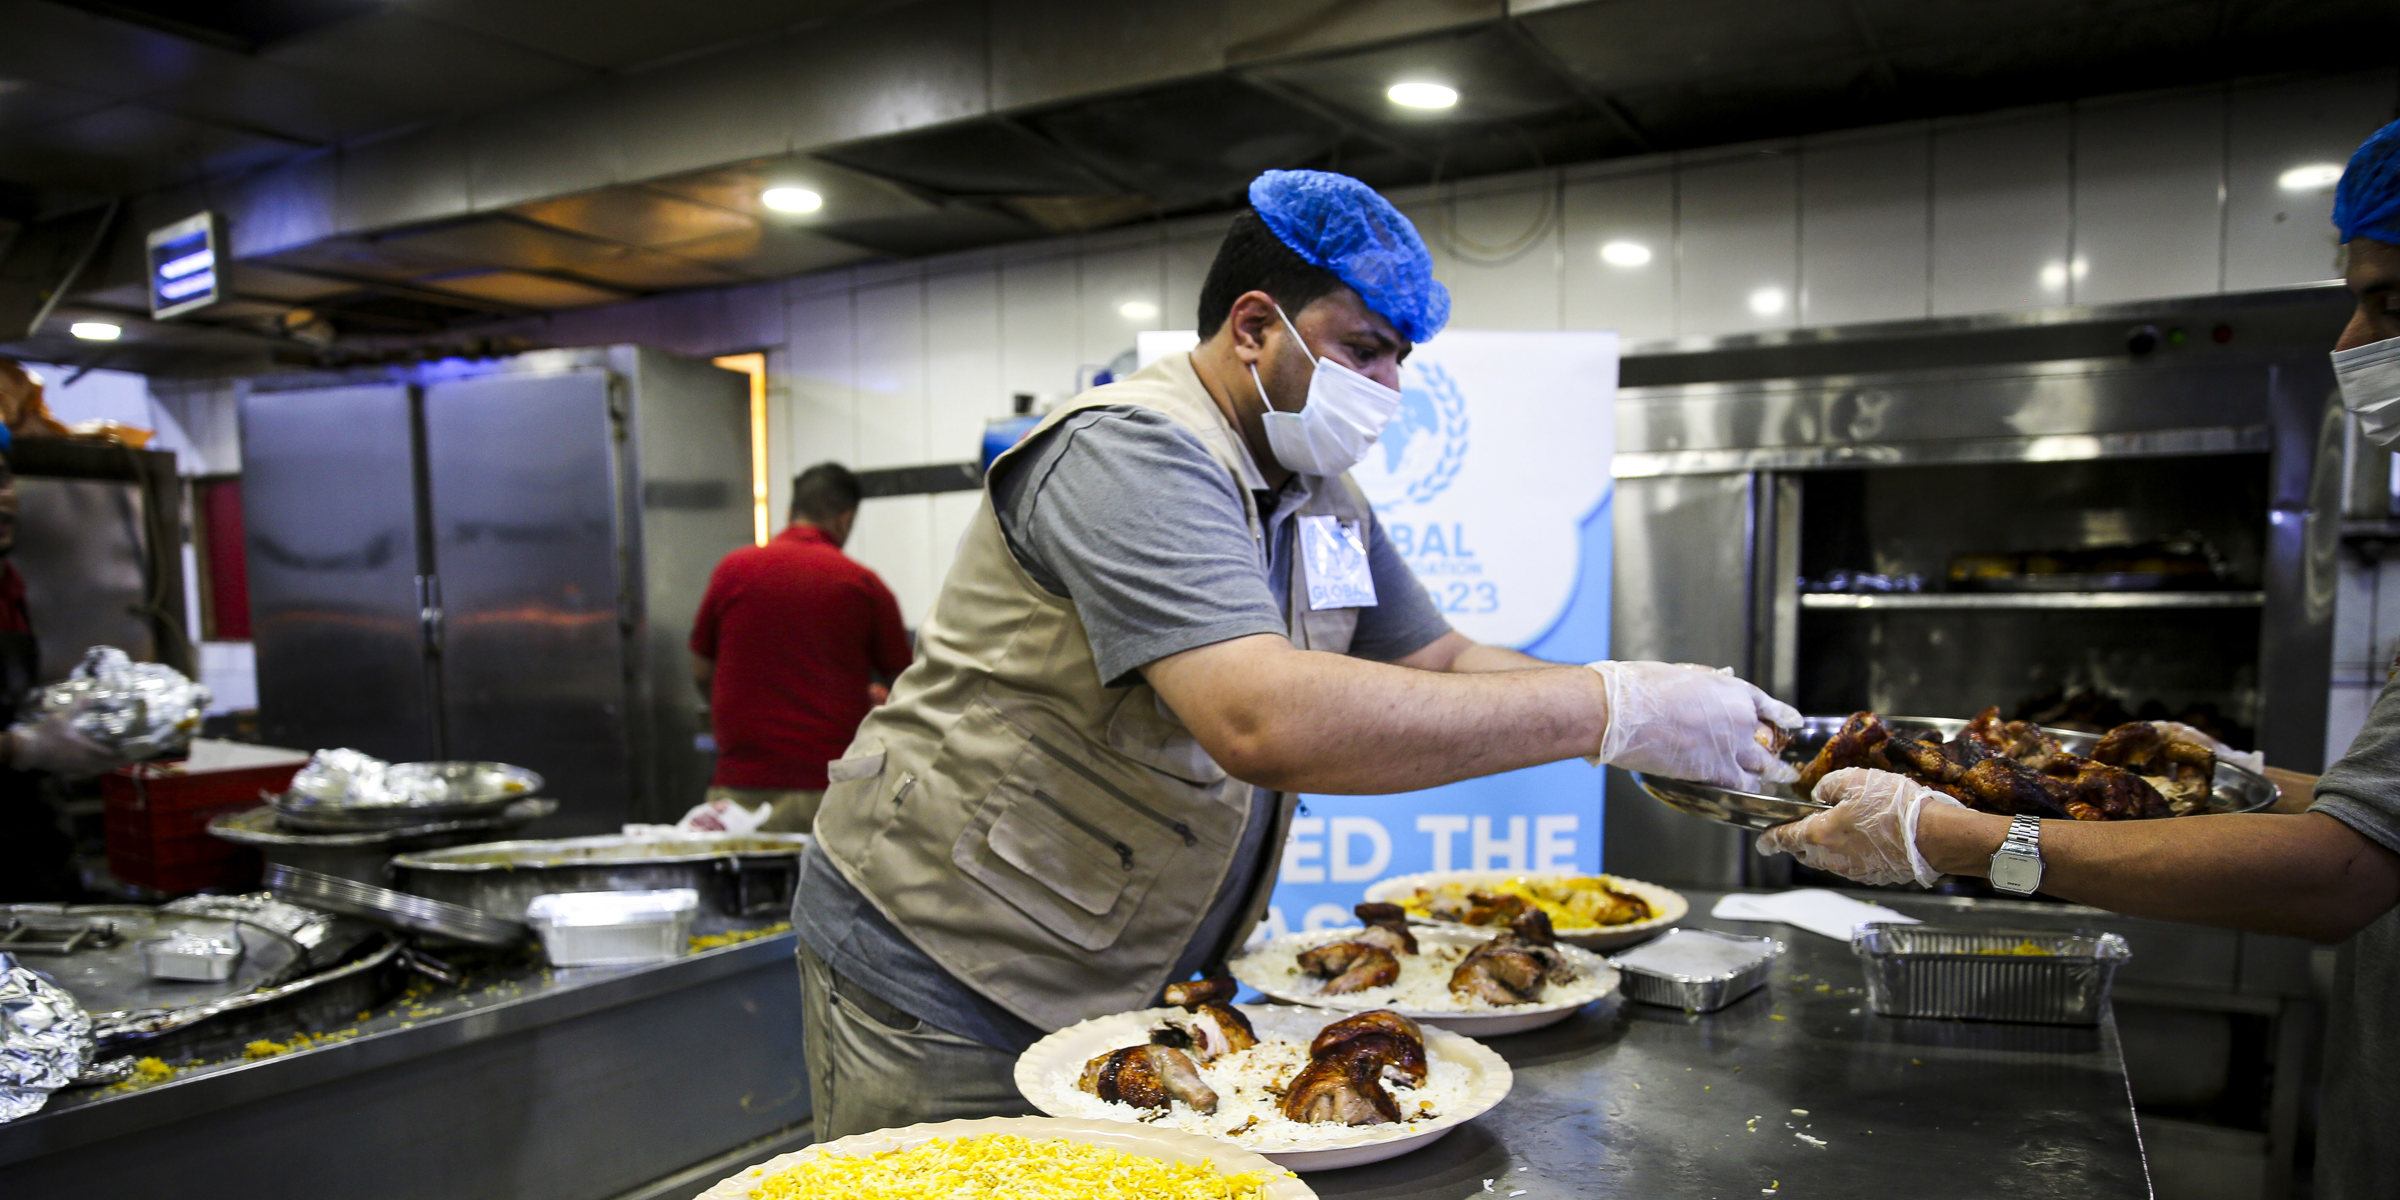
<point>1420,452</point>
<point>1491,523</point>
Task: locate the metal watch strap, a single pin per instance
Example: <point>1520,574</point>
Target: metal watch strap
<point>2024,835</point>
<point>2017,864</point>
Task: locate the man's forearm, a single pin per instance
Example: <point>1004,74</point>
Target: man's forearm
<point>2305,875</point>
<point>1479,659</point>
<point>1329,723</point>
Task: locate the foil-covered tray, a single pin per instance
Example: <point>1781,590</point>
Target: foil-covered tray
<point>1697,970</point>
<point>416,914</point>
<point>2032,976</point>
<point>2236,788</point>
<point>347,792</point>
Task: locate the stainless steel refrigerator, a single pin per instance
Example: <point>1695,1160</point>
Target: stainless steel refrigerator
<point>497,560</point>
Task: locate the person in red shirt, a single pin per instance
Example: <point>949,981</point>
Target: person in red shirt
<point>792,647</point>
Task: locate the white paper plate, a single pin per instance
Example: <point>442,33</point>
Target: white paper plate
<point>1272,969</point>
<point>1046,1074</point>
<point>1666,902</point>
<point>1136,1139</point>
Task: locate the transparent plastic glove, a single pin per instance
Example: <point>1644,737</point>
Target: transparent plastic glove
<point>2177,731</point>
<point>1686,721</point>
<point>723,816</point>
<point>53,744</point>
<point>1871,833</point>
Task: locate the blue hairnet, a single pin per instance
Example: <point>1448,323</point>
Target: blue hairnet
<point>2368,201</point>
<point>1337,223</point>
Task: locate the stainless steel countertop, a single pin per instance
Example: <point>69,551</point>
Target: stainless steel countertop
<point>506,1003</point>
<point>1632,1100</point>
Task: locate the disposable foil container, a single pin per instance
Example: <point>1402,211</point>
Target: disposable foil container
<point>586,929</point>
<point>2036,977</point>
<point>1697,970</point>
<point>185,956</point>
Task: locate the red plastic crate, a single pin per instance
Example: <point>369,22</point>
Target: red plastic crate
<point>156,819</point>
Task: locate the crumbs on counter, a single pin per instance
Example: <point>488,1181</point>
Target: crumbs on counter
<point>736,937</point>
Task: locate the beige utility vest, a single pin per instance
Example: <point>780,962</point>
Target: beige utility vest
<point>1052,842</point>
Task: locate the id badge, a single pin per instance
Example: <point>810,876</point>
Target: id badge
<point>1335,555</point>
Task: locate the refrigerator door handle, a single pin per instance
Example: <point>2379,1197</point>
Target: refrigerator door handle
<point>429,612</point>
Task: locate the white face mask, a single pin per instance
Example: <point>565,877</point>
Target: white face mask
<point>2369,376</point>
<point>1345,413</point>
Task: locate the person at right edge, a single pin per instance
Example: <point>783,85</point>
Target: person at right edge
<point>2331,873</point>
<point>1172,613</point>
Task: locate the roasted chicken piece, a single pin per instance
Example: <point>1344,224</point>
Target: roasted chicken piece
<point>2182,772</point>
<point>1148,1077</point>
<point>1858,743</point>
<point>1342,1087</point>
<point>1352,966</point>
<point>1192,993</point>
<point>2007,768</point>
<point>1392,1039</point>
<point>1217,1028</point>
<point>1514,967</point>
<point>1386,926</point>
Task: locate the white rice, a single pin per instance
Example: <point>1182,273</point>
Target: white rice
<point>1242,1079</point>
<point>1424,983</point>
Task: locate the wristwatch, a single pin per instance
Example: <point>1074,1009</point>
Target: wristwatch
<point>2017,864</point>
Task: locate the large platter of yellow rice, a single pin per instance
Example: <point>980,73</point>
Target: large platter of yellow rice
<point>1578,903</point>
<point>1016,1158</point>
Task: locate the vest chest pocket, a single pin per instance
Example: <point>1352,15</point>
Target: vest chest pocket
<point>1068,848</point>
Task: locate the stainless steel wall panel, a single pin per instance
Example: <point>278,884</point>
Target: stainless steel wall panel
<point>693,421</point>
<point>1680,594</point>
<point>523,491</point>
<point>329,513</point>
<point>1255,32</point>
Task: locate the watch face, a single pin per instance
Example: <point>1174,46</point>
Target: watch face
<point>2017,873</point>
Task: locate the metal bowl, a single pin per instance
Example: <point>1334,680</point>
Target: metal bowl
<point>420,793</point>
<point>2236,789</point>
<point>736,874</point>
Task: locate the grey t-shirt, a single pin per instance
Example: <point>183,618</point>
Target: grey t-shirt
<point>2361,1103</point>
<point>1124,512</point>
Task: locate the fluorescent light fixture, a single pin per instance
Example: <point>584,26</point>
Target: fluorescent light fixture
<point>2309,177</point>
<point>1137,310</point>
<point>1767,301</point>
<point>1625,254</point>
<point>791,199</point>
<point>198,260</point>
<point>1422,95</point>
<point>95,331</point>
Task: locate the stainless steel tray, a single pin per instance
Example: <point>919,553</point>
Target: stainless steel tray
<point>2237,789</point>
<point>362,854</point>
<point>415,914</point>
<point>737,875</point>
<point>1650,974</point>
<point>2039,977</point>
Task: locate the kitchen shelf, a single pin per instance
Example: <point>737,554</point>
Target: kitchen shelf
<point>2081,601</point>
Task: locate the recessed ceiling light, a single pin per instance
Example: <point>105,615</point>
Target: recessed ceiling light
<point>1767,301</point>
<point>1625,254</point>
<point>2309,177</point>
<point>1137,310</point>
<point>791,199</point>
<point>95,331</point>
<point>1422,95</point>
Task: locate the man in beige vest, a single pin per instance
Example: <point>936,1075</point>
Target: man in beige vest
<point>1173,612</point>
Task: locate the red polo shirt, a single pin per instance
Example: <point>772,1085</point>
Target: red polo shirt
<point>797,630</point>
